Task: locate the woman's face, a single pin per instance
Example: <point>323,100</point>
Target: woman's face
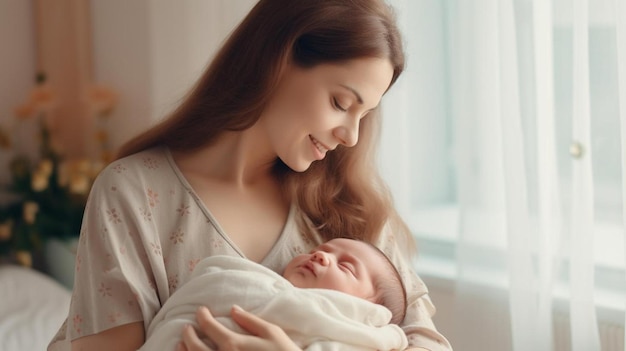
<point>316,109</point>
<point>344,265</point>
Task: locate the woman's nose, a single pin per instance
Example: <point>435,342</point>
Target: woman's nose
<point>320,257</point>
<point>348,134</point>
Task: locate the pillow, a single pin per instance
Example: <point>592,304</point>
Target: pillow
<point>32,308</point>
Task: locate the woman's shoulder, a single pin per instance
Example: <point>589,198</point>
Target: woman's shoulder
<point>143,161</point>
<point>148,167</point>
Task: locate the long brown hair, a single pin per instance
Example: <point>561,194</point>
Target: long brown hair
<point>342,195</point>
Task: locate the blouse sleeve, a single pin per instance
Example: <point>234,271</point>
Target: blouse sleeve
<point>418,324</point>
<point>114,283</point>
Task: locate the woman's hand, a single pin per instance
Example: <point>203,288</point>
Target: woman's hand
<point>264,335</point>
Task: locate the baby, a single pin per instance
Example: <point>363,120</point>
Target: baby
<point>353,267</point>
<point>344,294</point>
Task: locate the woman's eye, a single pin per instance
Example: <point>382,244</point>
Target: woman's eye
<point>338,105</point>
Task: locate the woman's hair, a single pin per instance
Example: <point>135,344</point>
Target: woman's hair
<point>341,194</point>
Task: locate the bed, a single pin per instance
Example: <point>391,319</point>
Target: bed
<point>32,307</point>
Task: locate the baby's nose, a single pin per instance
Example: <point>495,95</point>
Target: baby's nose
<point>320,258</point>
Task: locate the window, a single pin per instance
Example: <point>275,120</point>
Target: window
<point>421,147</point>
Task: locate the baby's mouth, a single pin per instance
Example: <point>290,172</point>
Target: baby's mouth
<point>309,266</point>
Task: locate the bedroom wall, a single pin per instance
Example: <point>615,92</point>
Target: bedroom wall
<point>149,52</point>
<point>17,63</point>
<point>470,320</point>
<point>477,318</point>
<point>153,51</point>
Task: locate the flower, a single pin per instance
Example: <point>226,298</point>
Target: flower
<point>48,202</point>
<point>47,194</point>
<point>39,181</point>
<point>5,230</point>
<point>25,110</point>
<point>46,166</point>
<point>43,98</point>
<point>30,210</point>
<point>79,184</point>
<point>24,258</point>
<point>102,99</point>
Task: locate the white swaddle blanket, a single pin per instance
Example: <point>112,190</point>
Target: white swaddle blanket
<point>316,319</point>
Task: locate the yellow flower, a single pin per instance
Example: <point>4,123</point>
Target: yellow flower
<point>63,174</point>
<point>39,181</point>
<point>29,211</point>
<point>6,230</point>
<point>79,184</point>
<point>43,98</point>
<point>82,166</point>
<point>24,258</point>
<point>102,99</point>
<point>45,166</point>
<point>25,111</point>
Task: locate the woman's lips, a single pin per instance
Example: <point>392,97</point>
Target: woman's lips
<point>321,148</point>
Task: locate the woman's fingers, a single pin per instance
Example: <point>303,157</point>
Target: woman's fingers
<point>181,346</point>
<point>213,329</point>
<point>265,336</point>
<point>191,341</point>
<point>268,336</point>
<point>253,324</point>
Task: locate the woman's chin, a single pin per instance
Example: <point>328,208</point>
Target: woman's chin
<point>300,166</point>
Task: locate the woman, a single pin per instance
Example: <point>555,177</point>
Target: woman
<point>270,155</point>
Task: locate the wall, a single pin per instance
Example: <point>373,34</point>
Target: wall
<point>476,318</point>
<point>470,319</point>
<point>150,52</point>
<point>17,64</point>
<point>121,43</point>
<point>153,51</point>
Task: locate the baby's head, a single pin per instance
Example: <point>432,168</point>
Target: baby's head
<point>353,267</point>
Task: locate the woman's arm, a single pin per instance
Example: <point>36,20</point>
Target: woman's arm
<point>114,281</point>
<point>125,337</point>
<point>264,335</point>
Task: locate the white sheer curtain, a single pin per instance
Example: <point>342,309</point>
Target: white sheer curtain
<point>536,104</point>
<point>508,174</point>
<point>620,12</point>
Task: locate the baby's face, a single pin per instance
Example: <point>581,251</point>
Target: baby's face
<point>345,265</point>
